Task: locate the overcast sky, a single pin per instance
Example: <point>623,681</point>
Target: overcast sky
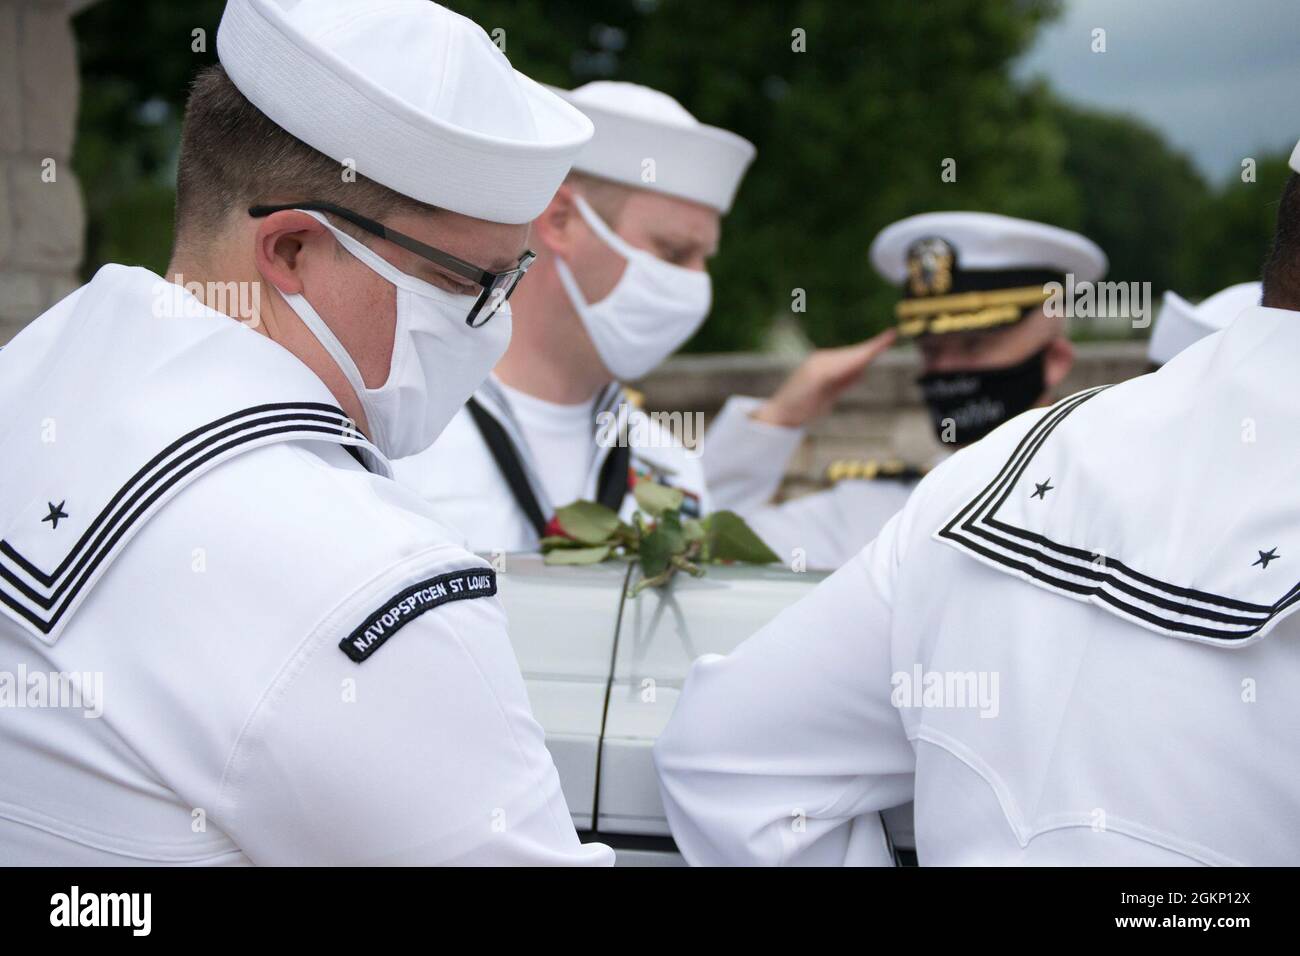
<point>1220,78</point>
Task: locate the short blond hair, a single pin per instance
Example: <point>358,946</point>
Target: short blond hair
<point>603,195</point>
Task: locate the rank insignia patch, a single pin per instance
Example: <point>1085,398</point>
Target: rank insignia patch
<point>403,608</point>
<point>1266,556</point>
<point>56,513</point>
<point>929,267</point>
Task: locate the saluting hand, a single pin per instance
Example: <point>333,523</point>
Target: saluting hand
<point>816,385</point>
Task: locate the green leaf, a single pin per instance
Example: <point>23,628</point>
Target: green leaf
<point>656,552</point>
<point>587,522</point>
<point>553,541</point>
<point>578,555</point>
<point>694,530</point>
<point>655,499</point>
<point>628,536</point>
<point>730,539</point>
<point>670,526</point>
<point>665,544</point>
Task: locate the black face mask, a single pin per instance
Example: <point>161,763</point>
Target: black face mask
<point>966,406</point>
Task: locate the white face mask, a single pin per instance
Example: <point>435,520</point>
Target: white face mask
<point>438,361</point>
<point>654,308</point>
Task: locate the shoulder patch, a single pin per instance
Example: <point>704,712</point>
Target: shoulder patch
<point>404,607</point>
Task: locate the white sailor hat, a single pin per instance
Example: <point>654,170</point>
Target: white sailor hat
<point>647,139</point>
<point>1295,158</point>
<point>964,271</point>
<point>415,96</point>
<point>1180,323</point>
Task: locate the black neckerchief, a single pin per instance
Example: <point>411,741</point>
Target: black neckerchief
<point>611,487</point>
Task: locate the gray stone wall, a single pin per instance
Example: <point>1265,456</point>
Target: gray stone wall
<point>880,417</point>
<point>42,220</point>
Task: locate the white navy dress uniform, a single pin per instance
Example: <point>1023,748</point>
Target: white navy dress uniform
<point>298,664</point>
<point>1180,323</point>
<point>507,460</point>
<point>959,272</point>
<point>1069,647</point>
<point>514,458</point>
<point>823,529</point>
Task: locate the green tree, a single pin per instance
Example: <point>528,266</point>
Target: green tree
<point>136,61</point>
<point>852,118</point>
<point>1232,237</point>
<point>1141,199</point>
<point>853,107</point>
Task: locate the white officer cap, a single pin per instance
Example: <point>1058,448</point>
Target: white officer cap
<point>1180,323</point>
<point>635,124</point>
<point>963,271</point>
<point>1295,158</point>
<point>416,96</point>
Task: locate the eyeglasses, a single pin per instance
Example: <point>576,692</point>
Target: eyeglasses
<point>497,286</point>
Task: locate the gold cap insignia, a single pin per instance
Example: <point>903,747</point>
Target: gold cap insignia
<point>929,266</point>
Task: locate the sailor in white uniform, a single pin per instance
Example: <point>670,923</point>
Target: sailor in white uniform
<point>619,284</point>
<point>1180,323</point>
<point>974,291</point>
<point>751,440</point>
<point>272,652</point>
<point>1074,645</point>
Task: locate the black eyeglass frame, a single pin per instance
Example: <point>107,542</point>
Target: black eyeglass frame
<point>490,282</point>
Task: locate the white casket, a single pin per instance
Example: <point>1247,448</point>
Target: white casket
<point>604,671</point>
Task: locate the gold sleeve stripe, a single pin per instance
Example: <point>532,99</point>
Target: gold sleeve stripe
<point>842,470</point>
<point>846,469</point>
<point>971,301</point>
<point>961,322</point>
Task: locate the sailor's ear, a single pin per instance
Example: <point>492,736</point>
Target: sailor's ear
<point>556,228</point>
<point>281,243</point>
<point>1058,361</point>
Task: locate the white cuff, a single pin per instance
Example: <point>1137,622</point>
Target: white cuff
<point>745,459</point>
